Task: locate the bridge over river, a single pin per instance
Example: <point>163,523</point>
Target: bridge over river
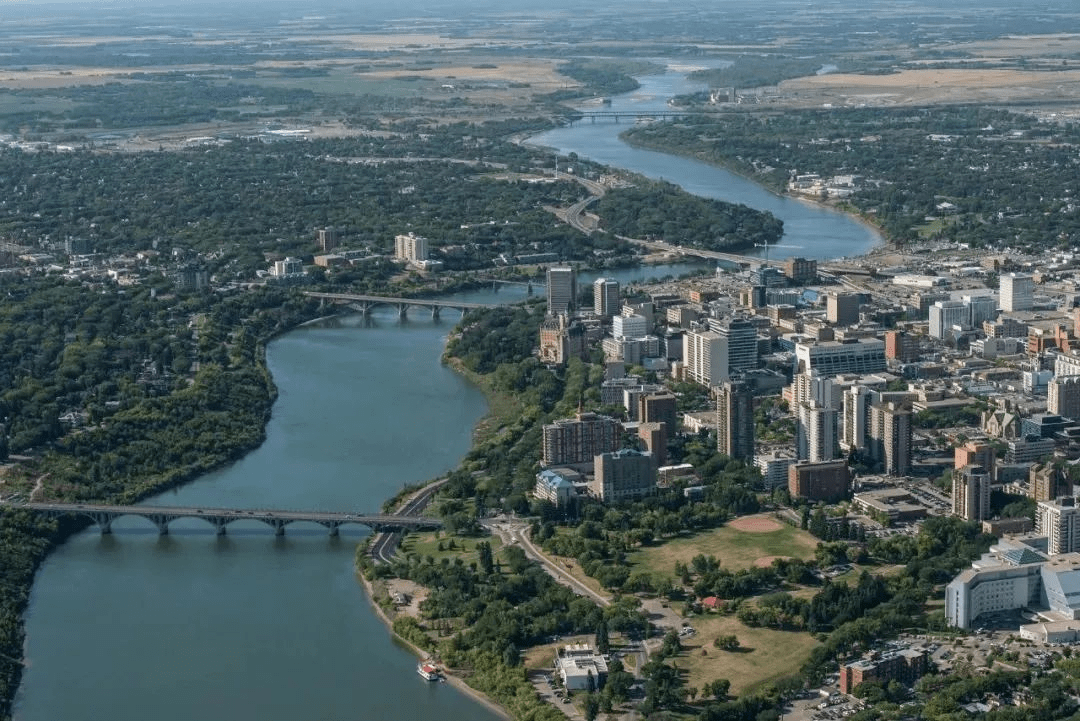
<point>219,518</point>
<point>364,303</point>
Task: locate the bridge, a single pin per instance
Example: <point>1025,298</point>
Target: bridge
<point>364,303</point>
<point>642,115</point>
<point>219,518</point>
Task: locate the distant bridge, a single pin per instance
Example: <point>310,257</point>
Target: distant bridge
<point>642,115</point>
<point>219,518</point>
<point>364,303</point>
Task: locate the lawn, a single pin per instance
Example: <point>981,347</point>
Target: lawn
<point>426,544</point>
<point>764,654</point>
<point>735,549</point>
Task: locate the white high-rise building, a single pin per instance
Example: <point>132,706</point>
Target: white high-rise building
<point>1063,396</point>
<point>1059,521</point>
<point>1017,291</point>
<point>629,326</point>
<point>410,248</point>
<point>815,432</point>
<point>561,290</point>
<point>971,493</point>
<point>706,357</point>
<point>945,314</point>
<point>856,418</point>
<point>606,301</point>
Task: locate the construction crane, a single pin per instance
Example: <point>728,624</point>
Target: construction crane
<point>766,246</point>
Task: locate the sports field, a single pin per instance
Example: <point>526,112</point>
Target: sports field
<point>745,542</point>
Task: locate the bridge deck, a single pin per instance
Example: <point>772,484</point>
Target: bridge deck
<point>390,300</point>
<point>104,514</point>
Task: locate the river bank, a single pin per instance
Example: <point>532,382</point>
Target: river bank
<point>452,677</point>
<point>842,208</point>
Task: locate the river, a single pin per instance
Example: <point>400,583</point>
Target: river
<point>253,627</point>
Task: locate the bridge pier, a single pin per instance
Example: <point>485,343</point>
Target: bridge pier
<point>278,525</point>
<point>402,311</point>
<point>434,312</point>
<point>104,522</point>
<point>219,524</point>
<point>333,529</point>
<point>162,523</point>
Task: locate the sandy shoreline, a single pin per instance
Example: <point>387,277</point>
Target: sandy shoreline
<point>420,653</point>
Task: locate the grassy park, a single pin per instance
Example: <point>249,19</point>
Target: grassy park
<point>735,547</point>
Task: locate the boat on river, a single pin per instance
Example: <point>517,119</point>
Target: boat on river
<point>428,670</point>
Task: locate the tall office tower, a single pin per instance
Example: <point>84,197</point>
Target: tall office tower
<point>890,437</point>
<point>705,355</point>
<point>856,418</point>
<point>842,308</point>
<point>901,346</point>
<point>800,270</point>
<point>580,439</point>
<point>561,290</point>
<point>971,493</point>
<point>815,432</point>
<point>1063,397</point>
<point>629,326</point>
<point>410,247</point>
<point>945,314</point>
<point>606,300</point>
<point>982,308</point>
<point>658,408</point>
<point>735,420</point>
<point>741,335</point>
<point>975,453</point>
<point>1017,290</point>
<point>1059,521</point>
<point>328,239</point>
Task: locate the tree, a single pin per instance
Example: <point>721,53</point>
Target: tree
<point>718,689</point>
<point>591,707</point>
<point>485,558</point>
<point>602,643</point>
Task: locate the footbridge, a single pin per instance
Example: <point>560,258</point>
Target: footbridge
<point>364,303</point>
<point>219,518</point>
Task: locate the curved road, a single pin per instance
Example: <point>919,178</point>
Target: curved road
<point>385,544</point>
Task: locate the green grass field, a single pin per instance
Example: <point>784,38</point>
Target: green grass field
<point>765,654</point>
<point>426,544</point>
<point>734,548</point>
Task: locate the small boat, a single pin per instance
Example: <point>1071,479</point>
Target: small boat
<point>428,670</point>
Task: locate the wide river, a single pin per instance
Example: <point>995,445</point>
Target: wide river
<point>250,627</point>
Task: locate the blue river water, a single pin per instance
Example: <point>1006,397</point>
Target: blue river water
<point>257,628</point>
